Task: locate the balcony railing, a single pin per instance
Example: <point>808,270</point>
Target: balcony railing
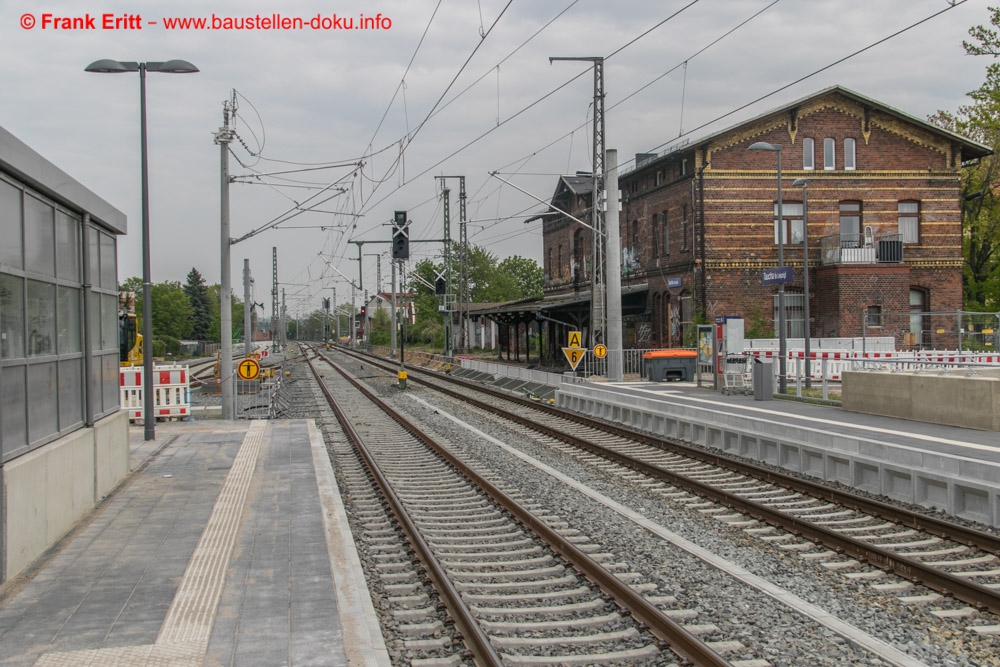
<point>867,248</point>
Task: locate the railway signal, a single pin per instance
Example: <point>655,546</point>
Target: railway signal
<point>400,236</point>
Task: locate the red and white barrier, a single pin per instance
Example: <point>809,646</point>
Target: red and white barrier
<point>171,397</point>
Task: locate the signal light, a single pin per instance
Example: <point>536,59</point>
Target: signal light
<point>400,236</point>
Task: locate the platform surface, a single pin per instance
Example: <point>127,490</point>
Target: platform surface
<point>942,439</point>
<point>227,545</point>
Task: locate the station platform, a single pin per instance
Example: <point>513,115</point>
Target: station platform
<point>953,469</point>
<point>227,544</point>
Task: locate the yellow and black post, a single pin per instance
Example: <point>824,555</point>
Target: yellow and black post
<point>402,378</point>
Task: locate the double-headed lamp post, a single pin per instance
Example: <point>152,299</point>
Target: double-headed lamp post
<point>805,271</point>
<point>170,67</point>
<point>782,343</point>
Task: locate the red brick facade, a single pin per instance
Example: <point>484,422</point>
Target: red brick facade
<point>697,224</point>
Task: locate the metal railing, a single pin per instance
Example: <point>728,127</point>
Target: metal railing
<point>867,248</point>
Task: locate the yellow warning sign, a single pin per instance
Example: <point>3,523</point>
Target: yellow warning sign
<point>574,355</point>
<point>575,339</point>
<point>600,351</point>
<point>248,369</point>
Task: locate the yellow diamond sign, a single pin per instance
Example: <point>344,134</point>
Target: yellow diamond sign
<point>574,355</point>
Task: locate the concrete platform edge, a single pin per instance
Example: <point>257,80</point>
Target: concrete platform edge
<point>363,641</point>
<point>957,485</point>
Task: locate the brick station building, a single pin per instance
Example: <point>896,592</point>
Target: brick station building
<point>699,226</point>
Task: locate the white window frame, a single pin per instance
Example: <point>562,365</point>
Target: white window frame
<point>791,211</point>
<point>829,154</point>
<point>908,222</point>
<point>850,155</point>
<point>808,153</point>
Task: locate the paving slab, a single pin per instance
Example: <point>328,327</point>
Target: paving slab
<point>225,546</point>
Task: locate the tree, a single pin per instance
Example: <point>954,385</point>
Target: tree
<point>980,121</point>
<point>428,326</point>
<point>201,307</point>
<point>171,310</point>
<point>381,333</point>
<point>528,277</point>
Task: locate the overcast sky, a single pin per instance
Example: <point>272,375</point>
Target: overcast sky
<point>309,98</point>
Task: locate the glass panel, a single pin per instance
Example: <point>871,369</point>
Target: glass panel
<point>909,207</point>
<point>10,226</point>
<point>69,320</point>
<point>110,382</point>
<point>909,230</point>
<point>109,322</point>
<point>11,317</point>
<point>808,153</point>
<point>15,435</point>
<point>95,322</point>
<point>94,249</point>
<point>70,393</point>
<point>829,157</point>
<point>849,153</point>
<point>41,313</point>
<point>96,386</point>
<point>789,209</point>
<point>39,246</point>
<point>68,247</point>
<point>42,391</point>
<point>109,263</point>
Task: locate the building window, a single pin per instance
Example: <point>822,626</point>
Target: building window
<point>559,266</point>
<point>874,316</point>
<point>909,221</point>
<point>795,319</point>
<point>919,322</point>
<point>850,224</point>
<point>548,265</point>
<point>659,177</point>
<point>656,235</point>
<point>791,213</point>
<point>808,153</point>
<point>666,235</point>
<point>829,154</point>
<point>849,154</point>
<point>578,271</point>
<point>635,238</point>
<point>684,228</point>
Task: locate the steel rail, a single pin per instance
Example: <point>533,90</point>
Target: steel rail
<point>475,639</point>
<point>974,594</point>
<point>679,640</point>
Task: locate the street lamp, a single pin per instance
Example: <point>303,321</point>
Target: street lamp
<point>107,66</point>
<point>805,270</point>
<point>782,348</point>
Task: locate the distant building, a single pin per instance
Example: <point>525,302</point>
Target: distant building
<point>699,225</point>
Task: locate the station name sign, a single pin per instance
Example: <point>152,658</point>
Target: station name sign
<point>782,274</point>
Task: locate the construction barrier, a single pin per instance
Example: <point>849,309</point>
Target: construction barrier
<point>836,363</point>
<point>171,397</point>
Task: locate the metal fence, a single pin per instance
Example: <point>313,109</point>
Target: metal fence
<point>917,329</point>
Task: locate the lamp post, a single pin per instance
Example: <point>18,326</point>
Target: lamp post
<point>108,66</point>
<point>805,271</point>
<point>782,347</point>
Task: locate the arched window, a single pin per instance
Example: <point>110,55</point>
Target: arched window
<point>578,270</point>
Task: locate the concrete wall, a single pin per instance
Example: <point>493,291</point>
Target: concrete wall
<point>954,399</point>
<point>49,489</point>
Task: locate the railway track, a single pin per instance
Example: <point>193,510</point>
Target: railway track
<point>519,586</point>
<point>952,558</point>
<point>747,619</point>
<point>948,569</point>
